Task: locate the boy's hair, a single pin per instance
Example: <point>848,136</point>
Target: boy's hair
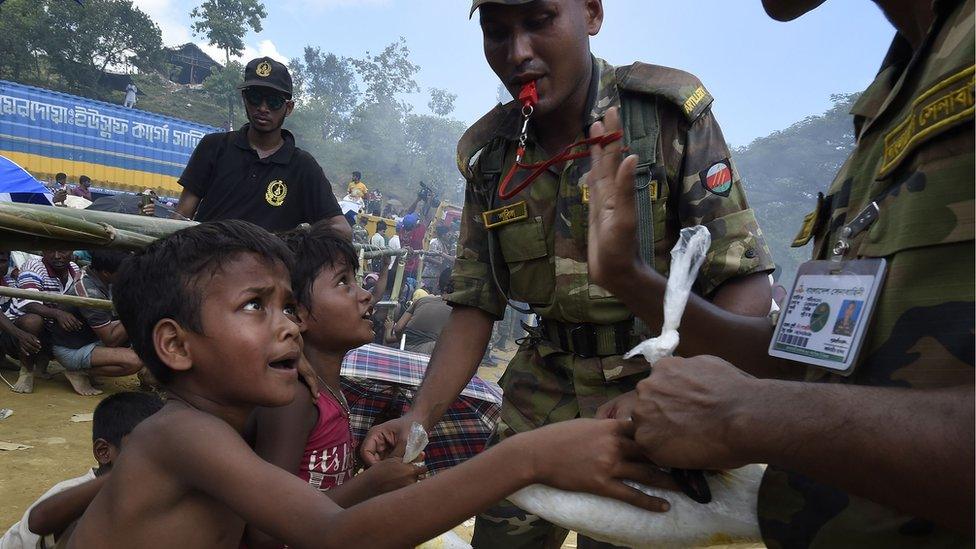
<point>61,176</point>
<point>84,179</point>
<point>314,249</point>
<point>107,259</point>
<point>117,415</point>
<point>168,278</point>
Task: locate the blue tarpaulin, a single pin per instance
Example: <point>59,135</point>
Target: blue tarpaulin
<point>16,185</point>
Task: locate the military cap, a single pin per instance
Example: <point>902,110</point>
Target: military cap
<point>268,73</point>
<point>475,4</point>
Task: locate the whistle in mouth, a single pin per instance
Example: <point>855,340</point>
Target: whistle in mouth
<point>528,95</point>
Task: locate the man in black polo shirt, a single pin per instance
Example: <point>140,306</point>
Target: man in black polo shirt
<point>257,173</point>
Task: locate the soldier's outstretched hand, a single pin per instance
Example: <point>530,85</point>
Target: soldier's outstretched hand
<point>612,241</point>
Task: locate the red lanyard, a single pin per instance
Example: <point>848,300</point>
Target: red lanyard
<point>529,96</point>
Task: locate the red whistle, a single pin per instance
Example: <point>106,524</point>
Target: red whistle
<point>529,95</point>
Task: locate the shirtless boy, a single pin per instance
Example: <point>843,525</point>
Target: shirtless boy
<point>219,333</point>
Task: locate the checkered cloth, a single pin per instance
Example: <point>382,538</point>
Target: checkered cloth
<point>406,368</point>
<point>388,390</point>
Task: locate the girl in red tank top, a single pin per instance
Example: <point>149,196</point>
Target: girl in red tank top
<point>311,437</point>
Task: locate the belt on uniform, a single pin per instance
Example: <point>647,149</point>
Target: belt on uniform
<point>590,340</point>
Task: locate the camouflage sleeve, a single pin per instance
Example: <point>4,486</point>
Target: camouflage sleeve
<point>712,195</point>
<point>474,285</point>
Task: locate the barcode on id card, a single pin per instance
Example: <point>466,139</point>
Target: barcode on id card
<point>795,340</point>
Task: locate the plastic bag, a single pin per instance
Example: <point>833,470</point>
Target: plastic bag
<point>687,257</point>
<point>730,517</point>
<point>416,442</point>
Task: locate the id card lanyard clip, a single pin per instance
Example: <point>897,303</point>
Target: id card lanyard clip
<point>858,225</point>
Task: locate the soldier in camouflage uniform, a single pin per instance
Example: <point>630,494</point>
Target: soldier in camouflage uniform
<point>535,244</point>
<point>887,459</point>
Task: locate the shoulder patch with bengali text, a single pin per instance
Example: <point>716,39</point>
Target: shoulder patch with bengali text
<point>939,108</point>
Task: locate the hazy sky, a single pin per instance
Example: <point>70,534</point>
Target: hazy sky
<point>764,75</point>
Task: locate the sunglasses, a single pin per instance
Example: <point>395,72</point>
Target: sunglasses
<point>256,96</point>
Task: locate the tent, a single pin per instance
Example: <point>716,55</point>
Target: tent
<point>16,185</point>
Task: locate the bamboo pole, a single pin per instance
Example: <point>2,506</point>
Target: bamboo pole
<point>49,297</point>
<point>151,226</point>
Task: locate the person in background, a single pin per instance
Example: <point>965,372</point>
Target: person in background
<point>424,320</point>
<point>130,95</point>
<point>100,347</point>
<point>52,516</point>
<point>60,189</point>
<point>14,341</point>
<point>435,258</point>
<point>83,187</point>
<point>356,187</point>
<point>257,173</point>
<point>53,272</point>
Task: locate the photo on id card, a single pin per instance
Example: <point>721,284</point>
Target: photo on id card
<point>824,320</point>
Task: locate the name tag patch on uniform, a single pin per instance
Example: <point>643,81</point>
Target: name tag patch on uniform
<point>824,321</point>
<point>718,178</point>
<point>939,108</point>
<point>505,215</point>
<point>275,195</point>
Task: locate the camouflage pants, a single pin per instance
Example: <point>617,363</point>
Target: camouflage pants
<point>544,385</point>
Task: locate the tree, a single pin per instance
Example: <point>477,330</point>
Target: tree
<point>21,40</point>
<point>325,90</point>
<point>222,85</point>
<point>100,35</point>
<point>224,23</point>
<point>388,75</point>
<point>441,101</point>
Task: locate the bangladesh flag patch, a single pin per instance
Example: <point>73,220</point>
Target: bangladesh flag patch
<point>718,178</point>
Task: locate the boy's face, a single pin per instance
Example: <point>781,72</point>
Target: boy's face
<point>546,41</point>
<point>248,351</point>
<point>340,313</point>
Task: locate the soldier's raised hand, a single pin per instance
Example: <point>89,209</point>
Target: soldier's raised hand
<point>612,242</point>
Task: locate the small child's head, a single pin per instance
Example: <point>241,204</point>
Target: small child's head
<point>115,417</point>
<point>106,262</point>
<point>210,309</point>
<point>337,310</point>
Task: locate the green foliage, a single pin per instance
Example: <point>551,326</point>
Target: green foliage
<point>221,86</point>
<point>441,101</point>
<point>66,46</point>
<point>375,132</point>
<point>388,74</point>
<point>225,22</point>
<point>325,90</point>
<point>784,171</point>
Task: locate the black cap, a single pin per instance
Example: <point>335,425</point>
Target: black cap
<point>268,73</point>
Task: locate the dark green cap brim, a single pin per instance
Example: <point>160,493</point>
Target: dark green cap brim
<point>475,4</point>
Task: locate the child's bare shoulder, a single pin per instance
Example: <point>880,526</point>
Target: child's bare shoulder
<point>179,435</point>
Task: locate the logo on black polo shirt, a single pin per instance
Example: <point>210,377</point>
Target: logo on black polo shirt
<point>277,190</point>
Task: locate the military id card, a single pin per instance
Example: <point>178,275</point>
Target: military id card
<point>824,320</point>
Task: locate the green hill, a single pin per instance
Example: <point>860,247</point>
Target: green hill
<point>784,171</point>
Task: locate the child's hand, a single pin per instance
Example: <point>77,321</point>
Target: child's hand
<point>392,474</point>
<point>595,456</point>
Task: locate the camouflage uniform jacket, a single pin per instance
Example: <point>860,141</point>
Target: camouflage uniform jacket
<point>542,257</point>
<point>914,155</point>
